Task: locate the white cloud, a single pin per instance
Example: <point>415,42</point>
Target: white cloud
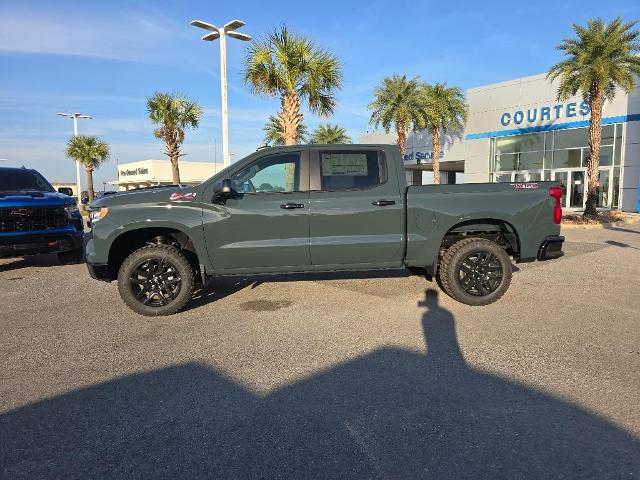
<point>128,37</point>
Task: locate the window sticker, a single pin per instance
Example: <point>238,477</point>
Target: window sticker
<point>335,164</point>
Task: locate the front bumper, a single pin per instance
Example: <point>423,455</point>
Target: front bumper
<point>100,271</point>
<point>20,245</point>
<point>551,248</point>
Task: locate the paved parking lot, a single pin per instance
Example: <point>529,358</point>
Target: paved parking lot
<point>328,378</point>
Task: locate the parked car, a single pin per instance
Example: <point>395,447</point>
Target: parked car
<point>104,193</point>
<point>35,218</point>
<point>319,208</point>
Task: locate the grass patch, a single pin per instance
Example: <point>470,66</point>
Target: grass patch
<point>610,216</point>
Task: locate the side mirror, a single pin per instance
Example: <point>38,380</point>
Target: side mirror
<point>223,189</point>
<point>66,191</point>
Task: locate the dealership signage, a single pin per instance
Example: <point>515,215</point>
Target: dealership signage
<point>134,171</point>
<point>542,114</point>
<point>421,156</point>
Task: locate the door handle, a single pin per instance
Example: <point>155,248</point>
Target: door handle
<point>291,206</point>
<point>383,203</point>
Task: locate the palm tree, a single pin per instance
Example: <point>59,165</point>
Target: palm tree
<point>602,58</point>
<point>90,151</point>
<point>274,135</point>
<point>328,134</point>
<point>173,114</point>
<point>293,68</point>
<point>446,110</point>
<point>399,102</point>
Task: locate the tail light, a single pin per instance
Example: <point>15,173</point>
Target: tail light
<point>556,193</point>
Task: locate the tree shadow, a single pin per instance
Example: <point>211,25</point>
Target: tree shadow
<point>619,229</point>
<point>393,413</point>
<point>620,244</point>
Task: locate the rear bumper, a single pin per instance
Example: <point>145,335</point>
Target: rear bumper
<point>20,245</point>
<point>551,248</point>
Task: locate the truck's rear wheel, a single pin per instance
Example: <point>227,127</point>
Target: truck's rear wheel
<point>475,271</point>
<point>156,280</point>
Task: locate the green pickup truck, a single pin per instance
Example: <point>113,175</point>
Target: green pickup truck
<point>315,208</point>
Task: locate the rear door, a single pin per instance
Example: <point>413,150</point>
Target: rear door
<point>265,227</point>
<point>356,209</point>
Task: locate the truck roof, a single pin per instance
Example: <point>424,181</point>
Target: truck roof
<point>13,169</point>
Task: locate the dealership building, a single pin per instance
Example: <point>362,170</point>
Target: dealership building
<point>517,131</point>
<point>152,173</point>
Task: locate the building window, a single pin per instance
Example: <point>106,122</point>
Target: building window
<point>556,155</point>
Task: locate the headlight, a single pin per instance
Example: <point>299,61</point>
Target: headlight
<point>98,214</point>
<point>72,210</point>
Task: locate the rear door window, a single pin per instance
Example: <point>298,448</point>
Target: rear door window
<point>351,169</point>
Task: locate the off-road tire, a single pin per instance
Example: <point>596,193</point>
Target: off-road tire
<point>157,252</point>
<point>450,270</point>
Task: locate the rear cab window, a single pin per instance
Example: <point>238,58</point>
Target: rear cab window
<point>351,169</point>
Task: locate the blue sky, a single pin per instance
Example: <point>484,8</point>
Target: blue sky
<point>104,58</point>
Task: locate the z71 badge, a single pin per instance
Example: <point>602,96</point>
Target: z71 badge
<point>524,186</point>
<point>182,196</point>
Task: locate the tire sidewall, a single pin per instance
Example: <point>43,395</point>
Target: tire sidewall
<point>176,259</point>
<point>453,280</point>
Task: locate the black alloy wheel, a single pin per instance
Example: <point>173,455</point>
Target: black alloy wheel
<point>475,271</point>
<point>480,273</point>
<point>157,279</point>
<point>155,282</point>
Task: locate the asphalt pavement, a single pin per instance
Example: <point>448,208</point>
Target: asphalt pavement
<point>330,376</point>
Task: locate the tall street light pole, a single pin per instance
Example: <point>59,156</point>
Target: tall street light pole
<point>222,32</point>
<point>75,117</point>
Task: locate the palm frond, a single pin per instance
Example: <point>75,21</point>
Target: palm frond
<point>89,150</point>
<point>329,134</point>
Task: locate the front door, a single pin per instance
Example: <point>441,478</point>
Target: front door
<point>356,210</point>
<point>265,225</point>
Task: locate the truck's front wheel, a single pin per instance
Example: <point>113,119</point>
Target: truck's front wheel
<point>475,271</point>
<point>156,280</point>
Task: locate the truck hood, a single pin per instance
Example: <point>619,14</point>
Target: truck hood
<point>34,199</point>
<point>152,195</point>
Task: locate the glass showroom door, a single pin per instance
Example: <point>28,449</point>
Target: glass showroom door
<point>562,178</point>
<point>575,181</point>
<point>576,188</point>
<point>604,188</point>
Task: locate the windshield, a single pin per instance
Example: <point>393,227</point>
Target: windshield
<point>23,180</point>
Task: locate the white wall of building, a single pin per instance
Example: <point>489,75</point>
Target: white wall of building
<point>501,109</point>
<point>158,172</point>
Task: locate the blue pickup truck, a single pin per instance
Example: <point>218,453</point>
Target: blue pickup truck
<point>35,218</point>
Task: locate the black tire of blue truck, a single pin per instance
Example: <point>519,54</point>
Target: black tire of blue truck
<point>177,260</point>
<point>71,256</point>
<point>450,266</point>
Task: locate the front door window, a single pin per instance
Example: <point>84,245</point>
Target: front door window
<point>272,174</point>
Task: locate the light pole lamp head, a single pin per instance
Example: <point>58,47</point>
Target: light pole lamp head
<point>205,25</point>
<point>73,115</point>
<point>227,29</point>
<point>209,37</point>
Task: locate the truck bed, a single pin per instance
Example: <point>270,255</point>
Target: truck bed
<point>435,210</point>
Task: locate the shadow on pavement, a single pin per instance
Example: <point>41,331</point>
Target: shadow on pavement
<point>393,413</point>
<point>620,229</point>
<point>221,287</point>
<point>620,244</point>
<point>45,260</point>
